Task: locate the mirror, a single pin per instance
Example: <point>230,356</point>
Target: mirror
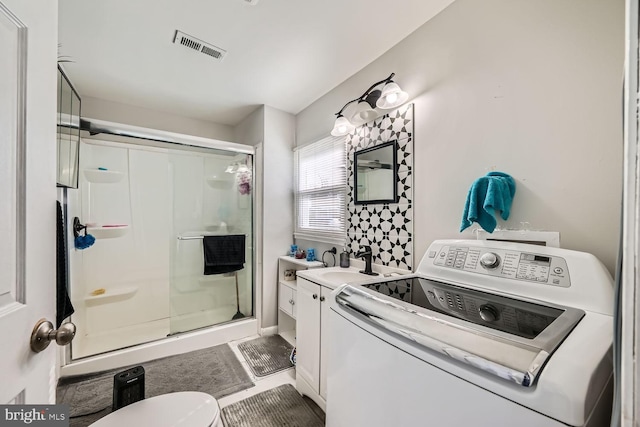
<point>68,132</point>
<point>376,171</point>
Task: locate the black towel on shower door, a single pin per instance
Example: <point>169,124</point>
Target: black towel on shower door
<point>223,254</point>
<point>64,308</point>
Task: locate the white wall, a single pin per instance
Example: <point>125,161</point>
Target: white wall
<point>128,114</point>
<point>531,88</point>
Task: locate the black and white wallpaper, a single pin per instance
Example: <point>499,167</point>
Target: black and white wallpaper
<point>388,227</point>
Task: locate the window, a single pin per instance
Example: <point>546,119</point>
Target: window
<point>320,191</point>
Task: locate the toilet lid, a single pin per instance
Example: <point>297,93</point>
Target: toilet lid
<point>187,408</point>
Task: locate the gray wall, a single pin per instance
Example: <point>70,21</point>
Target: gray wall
<point>277,214</point>
<point>273,132</point>
<point>250,131</point>
<point>531,88</point>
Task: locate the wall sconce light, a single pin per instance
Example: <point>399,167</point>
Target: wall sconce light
<point>391,96</point>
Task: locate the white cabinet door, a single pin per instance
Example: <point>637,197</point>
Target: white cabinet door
<point>308,333</point>
<point>325,293</point>
<point>284,299</point>
<point>294,307</point>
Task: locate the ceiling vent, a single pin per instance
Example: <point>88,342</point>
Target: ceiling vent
<point>198,45</point>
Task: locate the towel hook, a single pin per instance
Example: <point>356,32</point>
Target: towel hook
<point>78,227</point>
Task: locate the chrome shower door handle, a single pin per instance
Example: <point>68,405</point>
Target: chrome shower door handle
<point>43,333</point>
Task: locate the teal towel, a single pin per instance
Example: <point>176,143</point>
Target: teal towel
<point>488,194</point>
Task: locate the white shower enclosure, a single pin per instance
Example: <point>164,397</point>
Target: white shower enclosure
<point>148,205</point>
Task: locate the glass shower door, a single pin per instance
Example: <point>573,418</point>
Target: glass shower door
<point>212,196</point>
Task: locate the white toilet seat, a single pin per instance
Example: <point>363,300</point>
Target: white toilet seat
<point>184,409</point>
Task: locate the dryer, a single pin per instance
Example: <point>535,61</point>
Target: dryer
<point>484,333</point>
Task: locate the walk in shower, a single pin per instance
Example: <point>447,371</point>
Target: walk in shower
<point>148,205</point>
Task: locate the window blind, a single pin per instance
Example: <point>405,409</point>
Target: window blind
<point>320,191</point>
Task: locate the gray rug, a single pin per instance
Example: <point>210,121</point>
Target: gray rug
<point>214,370</point>
<point>279,407</point>
<point>267,355</point>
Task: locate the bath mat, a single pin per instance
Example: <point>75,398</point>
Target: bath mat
<point>214,370</point>
<point>278,407</point>
<point>267,355</point>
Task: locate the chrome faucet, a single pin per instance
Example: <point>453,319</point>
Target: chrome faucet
<point>366,254</point>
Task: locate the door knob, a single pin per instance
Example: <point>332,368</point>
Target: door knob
<point>321,298</point>
<point>315,296</point>
<point>43,333</point>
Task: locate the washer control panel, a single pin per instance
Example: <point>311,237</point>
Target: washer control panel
<point>527,266</point>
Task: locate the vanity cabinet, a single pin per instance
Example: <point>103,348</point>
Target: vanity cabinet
<point>288,294</point>
<point>313,313</point>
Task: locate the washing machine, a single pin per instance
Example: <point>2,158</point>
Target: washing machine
<point>485,333</point>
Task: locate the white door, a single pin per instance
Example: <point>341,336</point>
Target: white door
<point>308,333</point>
<point>27,188</point>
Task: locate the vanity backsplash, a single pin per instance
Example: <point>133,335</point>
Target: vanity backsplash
<point>388,227</point>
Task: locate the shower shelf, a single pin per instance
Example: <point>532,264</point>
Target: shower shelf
<point>108,232</point>
<point>114,295</point>
<point>219,183</point>
<point>101,176</point>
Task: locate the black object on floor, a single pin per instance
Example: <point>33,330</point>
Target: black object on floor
<point>267,355</point>
<point>238,314</point>
<point>216,371</point>
<point>280,406</point>
<point>128,387</point>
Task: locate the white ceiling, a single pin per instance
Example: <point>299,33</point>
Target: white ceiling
<point>282,53</point>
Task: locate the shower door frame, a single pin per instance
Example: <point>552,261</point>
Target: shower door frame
<point>96,127</point>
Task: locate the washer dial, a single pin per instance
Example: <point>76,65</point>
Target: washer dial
<point>489,260</point>
<point>489,313</point>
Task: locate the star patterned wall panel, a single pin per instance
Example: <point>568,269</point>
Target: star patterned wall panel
<point>388,227</point>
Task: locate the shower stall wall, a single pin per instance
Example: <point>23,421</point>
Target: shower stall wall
<point>149,206</point>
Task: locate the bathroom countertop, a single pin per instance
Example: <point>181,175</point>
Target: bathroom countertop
<point>332,277</point>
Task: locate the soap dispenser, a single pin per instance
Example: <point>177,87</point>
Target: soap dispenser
<point>344,258</point>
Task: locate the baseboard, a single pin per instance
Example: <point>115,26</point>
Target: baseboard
<point>271,330</point>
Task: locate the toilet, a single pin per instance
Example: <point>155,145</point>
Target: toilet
<point>184,409</point>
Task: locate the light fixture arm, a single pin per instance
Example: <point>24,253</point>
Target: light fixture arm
<point>364,95</point>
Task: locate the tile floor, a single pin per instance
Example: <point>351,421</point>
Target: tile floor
<point>268,382</point>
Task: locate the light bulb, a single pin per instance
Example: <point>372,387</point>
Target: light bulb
<point>342,126</point>
<point>392,98</point>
